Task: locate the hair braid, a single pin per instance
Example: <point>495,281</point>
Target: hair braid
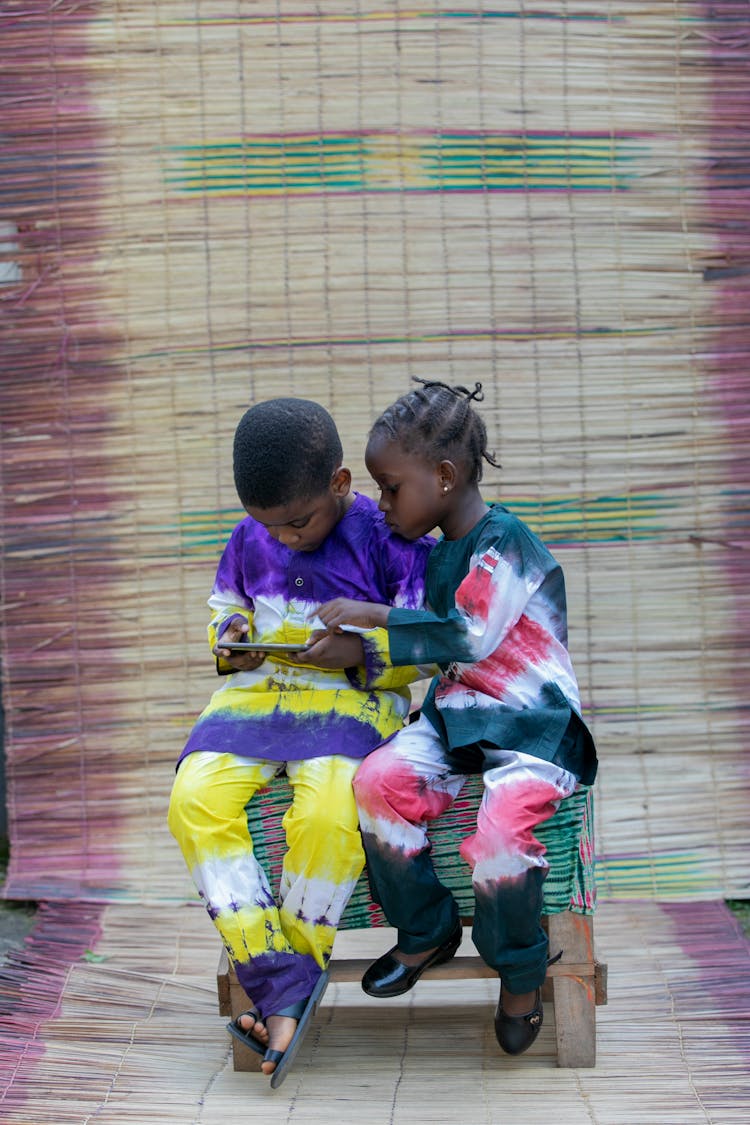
<point>439,422</point>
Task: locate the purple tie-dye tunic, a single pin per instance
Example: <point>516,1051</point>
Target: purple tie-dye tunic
<point>284,711</point>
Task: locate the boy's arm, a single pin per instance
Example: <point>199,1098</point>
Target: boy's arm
<point>233,609</point>
<point>234,621</point>
<point>403,569</point>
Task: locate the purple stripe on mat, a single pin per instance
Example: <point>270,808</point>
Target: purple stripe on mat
<point>31,989</point>
<point>717,985</point>
<point>728,274</point>
<point>63,483</point>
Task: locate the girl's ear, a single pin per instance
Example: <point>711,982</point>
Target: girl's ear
<point>341,482</point>
<point>448,475</point>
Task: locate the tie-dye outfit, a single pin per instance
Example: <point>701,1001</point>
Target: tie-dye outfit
<point>315,724</point>
<point>505,704</point>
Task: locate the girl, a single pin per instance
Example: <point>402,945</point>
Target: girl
<point>505,703</point>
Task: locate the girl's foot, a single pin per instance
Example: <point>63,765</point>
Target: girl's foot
<point>396,972</point>
<point>518,1003</point>
<point>518,1019</point>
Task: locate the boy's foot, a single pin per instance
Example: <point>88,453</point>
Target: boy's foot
<point>518,1020</point>
<point>395,972</point>
<point>280,1033</point>
<point>287,1029</point>
<point>250,1029</point>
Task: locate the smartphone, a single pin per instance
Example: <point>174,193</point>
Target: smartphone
<point>259,646</point>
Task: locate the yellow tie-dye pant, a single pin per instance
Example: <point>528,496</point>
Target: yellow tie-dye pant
<point>279,945</point>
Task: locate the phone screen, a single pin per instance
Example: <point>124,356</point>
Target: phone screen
<point>258,646</point>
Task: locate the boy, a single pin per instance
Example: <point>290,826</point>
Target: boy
<point>315,714</point>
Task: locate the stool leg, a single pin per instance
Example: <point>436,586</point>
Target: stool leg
<point>243,1058</point>
<point>574,996</point>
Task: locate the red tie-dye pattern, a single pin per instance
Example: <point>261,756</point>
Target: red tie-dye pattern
<point>527,645</point>
<point>507,818</point>
<point>474,595</point>
<point>391,790</point>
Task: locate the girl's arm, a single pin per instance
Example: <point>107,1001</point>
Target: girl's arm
<point>400,569</point>
<point>381,672</point>
<point>488,603</point>
<point>347,611</point>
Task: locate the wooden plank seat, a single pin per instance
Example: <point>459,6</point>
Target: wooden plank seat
<point>575,984</point>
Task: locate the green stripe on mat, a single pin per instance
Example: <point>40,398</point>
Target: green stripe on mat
<point>558,520</point>
<point>312,164</point>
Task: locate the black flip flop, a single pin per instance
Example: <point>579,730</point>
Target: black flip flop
<point>304,1012</point>
<point>246,1035</point>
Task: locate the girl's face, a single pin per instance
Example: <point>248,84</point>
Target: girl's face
<point>412,491</point>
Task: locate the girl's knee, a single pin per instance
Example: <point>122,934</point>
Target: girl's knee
<point>392,787</point>
<point>362,781</point>
<point>374,783</point>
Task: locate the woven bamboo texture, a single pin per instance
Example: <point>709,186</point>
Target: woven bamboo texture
<point>133,1037</point>
<point>208,204</point>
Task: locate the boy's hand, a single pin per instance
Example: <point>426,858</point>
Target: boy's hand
<point>347,611</point>
<point>332,650</point>
<point>242,661</point>
<point>239,661</point>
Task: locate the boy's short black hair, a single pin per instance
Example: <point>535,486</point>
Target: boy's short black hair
<point>285,449</point>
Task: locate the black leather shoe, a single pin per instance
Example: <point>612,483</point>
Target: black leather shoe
<point>389,977</point>
<point>515,1034</point>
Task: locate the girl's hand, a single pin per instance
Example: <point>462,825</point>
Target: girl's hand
<point>347,611</point>
<point>332,650</point>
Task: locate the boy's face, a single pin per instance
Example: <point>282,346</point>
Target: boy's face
<point>411,489</point>
<point>302,525</point>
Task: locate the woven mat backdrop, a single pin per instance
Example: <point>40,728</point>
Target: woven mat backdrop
<point>208,204</point>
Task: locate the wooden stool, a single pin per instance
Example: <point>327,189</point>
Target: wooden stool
<point>575,984</point>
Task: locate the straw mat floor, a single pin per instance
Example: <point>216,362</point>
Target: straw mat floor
<point>136,1037</point>
<point>215,203</point>
<point>207,204</point>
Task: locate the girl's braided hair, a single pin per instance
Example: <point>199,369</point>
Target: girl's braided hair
<point>437,422</point>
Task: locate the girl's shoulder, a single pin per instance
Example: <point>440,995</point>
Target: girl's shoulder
<point>511,537</point>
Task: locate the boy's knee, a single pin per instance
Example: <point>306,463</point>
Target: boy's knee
<point>321,820</point>
<point>175,811</point>
<point>183,801</point>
